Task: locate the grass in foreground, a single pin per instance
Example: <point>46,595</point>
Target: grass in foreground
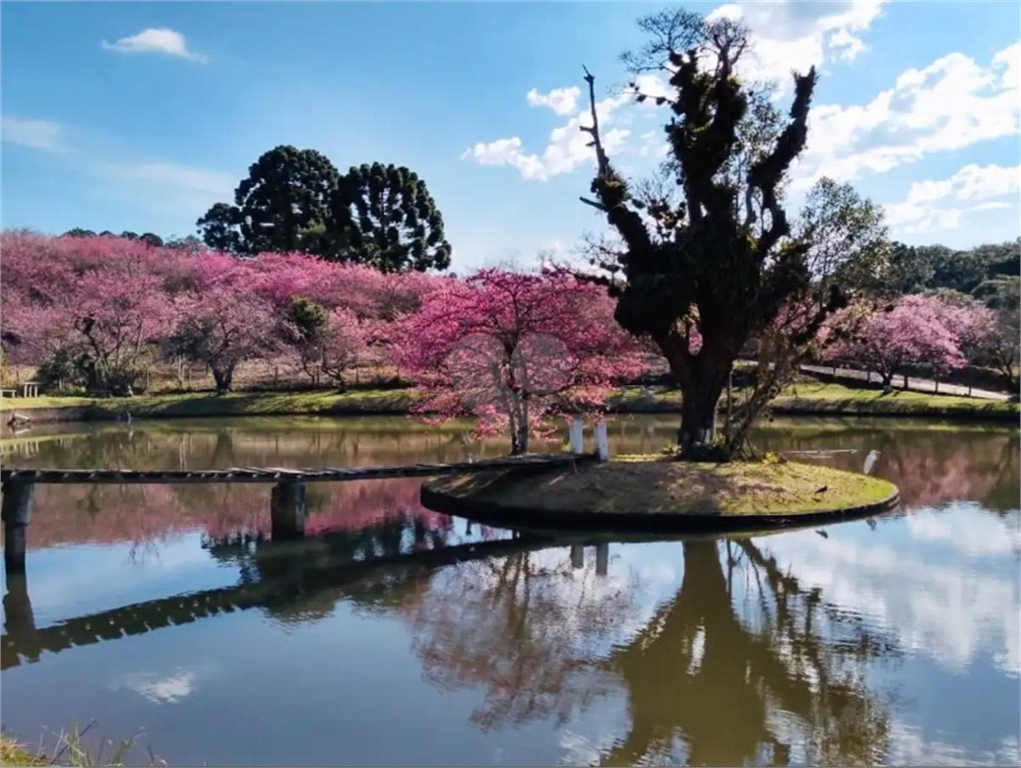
<point>70,749</point>
<point>649,485</point>
<point>13,753</point>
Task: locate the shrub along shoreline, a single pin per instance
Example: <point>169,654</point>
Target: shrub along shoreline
<point>813,399</point>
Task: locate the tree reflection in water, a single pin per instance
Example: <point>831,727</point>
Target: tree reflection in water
<point>704,687</point>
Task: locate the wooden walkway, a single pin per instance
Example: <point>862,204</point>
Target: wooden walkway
<point>284,475</point>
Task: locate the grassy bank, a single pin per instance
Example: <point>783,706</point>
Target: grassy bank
<point>805,398</point>
<point>818,399</point>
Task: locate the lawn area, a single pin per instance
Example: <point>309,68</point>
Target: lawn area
<point>392,401</point>
<point>658,494</point>
<point>811,398</point>
<point>817,398</point>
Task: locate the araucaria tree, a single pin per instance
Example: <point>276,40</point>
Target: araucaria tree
<point>287,193</point>
<point>714,252</point>
<point>295,201</point>
<point>514,349</point>
<point>385,217</point>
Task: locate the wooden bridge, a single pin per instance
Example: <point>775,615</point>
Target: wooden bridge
<point>288,500</point>
<point>279,475</point>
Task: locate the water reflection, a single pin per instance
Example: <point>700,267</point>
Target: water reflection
<point>793,648</point>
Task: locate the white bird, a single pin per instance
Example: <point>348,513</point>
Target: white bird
<point>870,461</point>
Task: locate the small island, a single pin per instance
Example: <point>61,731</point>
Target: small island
<point>650,494</point>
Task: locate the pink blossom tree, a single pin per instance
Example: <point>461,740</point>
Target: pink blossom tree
<point>324,342</point>
<point>884,340</point>
<point>514,349</point>
<point>221,326</point>
<point>92,309</point>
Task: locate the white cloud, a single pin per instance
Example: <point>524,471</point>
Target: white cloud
<point>156,185</point>
<point>920,213</point>
<point>785,36</point>
<point>155,41</point>
<point>911,590</point>
<point>561,100</point>
<point>795,36</point>
<point>170,176</point>
<point>949,105</point>
<point>566,149</point>
<point>34,134</point>
<point>169,688</point>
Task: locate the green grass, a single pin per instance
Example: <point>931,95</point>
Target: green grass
<point>804,398</point>
<point>229,404</point>
<point>70,748</point>
<point>819,398</point>
<point>650,485</point>
<point>13,753</point>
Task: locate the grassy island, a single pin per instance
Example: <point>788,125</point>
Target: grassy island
<point>660,494</point>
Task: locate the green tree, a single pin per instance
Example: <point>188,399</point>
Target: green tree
<point>384,216</point>
<point>79,232</point>
<point>287,191</point>
<point>294,200</point>
<point>189,243</point>
<point>910,271</point>
<point>220,228</point>
<point>713,251</point>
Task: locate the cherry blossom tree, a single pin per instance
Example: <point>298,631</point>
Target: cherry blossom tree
<point>514,349</point>
<point>885,339</point>
<point>92,308</point>
<point>221,326</point>
<point>324,342</point>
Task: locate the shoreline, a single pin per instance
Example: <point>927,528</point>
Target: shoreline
<point>812,400</point>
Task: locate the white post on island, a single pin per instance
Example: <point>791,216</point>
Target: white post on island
<point>602,441</point>
<point>577,436</point>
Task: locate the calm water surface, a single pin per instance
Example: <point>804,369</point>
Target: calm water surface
<point>394,635</point>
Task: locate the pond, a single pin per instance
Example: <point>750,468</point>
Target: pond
<point>397,636</point>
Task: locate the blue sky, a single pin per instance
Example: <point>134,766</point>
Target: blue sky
<point>141,115</point>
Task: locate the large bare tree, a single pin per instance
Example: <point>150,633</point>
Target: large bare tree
<point>703,259</point>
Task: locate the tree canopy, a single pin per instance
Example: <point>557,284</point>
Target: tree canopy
<point>296,201</point>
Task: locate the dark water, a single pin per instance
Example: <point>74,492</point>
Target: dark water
<point>398,636</point>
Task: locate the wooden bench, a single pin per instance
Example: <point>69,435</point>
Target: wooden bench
<point>8,393</point>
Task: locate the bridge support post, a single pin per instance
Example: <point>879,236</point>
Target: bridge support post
<point>15,510</point>
<point>602,558</point>
<point>577,556</point>
<point>288,509</point>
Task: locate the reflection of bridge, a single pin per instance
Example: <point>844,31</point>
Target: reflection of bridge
<point>288,503</point>
<point>289,573</point>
